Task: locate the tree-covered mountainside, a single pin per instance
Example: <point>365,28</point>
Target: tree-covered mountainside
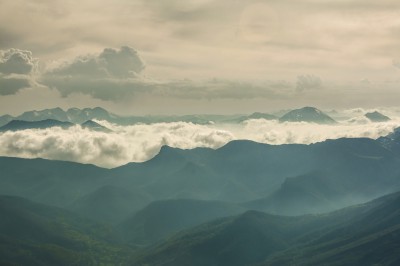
<point>365,234</point>
<point>161,219</point>
<point>36,234</point>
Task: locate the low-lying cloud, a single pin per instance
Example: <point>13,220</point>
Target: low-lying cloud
<point>139,143</point>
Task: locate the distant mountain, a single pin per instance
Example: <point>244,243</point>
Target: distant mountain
<point>367,234</point>
<point>161,219</point>
<point>79,116</point>
<point>95,126</point>
<point>307,114</point>
<point>15,125</point>
<point>36,234</point>
<point>377,117</point>
<point>261,116</point>
<point>72,115</point>
<point>54,114</point>
<point>256,115</point>
<point>5,119</point>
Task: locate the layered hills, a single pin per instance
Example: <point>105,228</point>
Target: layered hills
<point>245,203</point>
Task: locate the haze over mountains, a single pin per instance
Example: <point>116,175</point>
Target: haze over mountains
<point>217,205</point>
<point>38,234</point>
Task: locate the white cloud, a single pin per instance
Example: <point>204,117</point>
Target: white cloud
<point>139,143</point>
<point>126,144</point>
<point>16,70</point>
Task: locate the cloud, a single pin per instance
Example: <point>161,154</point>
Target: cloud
<point>308,82</point>
<point>112,63</point>
<point>12,84</point>
<point>139,142</point>
<point>123,145</point>
<point>15,61</point>
<point>111,75</point>
<point>16,70</point>
<point>114,75</point>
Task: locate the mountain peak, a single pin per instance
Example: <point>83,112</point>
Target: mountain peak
<point>376,117</point>
<point>90,124</point>
<point>307,114</point>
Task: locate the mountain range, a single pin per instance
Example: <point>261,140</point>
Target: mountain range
<point>79,116</point>
<point>245,203</point>
<point>327,174</point>
<point>15,125</point>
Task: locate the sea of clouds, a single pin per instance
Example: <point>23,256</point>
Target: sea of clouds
<point>141,142</point>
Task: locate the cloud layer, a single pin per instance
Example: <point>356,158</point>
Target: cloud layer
<point>139,143</point>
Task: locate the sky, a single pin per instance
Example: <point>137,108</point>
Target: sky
<point>198,56</point>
